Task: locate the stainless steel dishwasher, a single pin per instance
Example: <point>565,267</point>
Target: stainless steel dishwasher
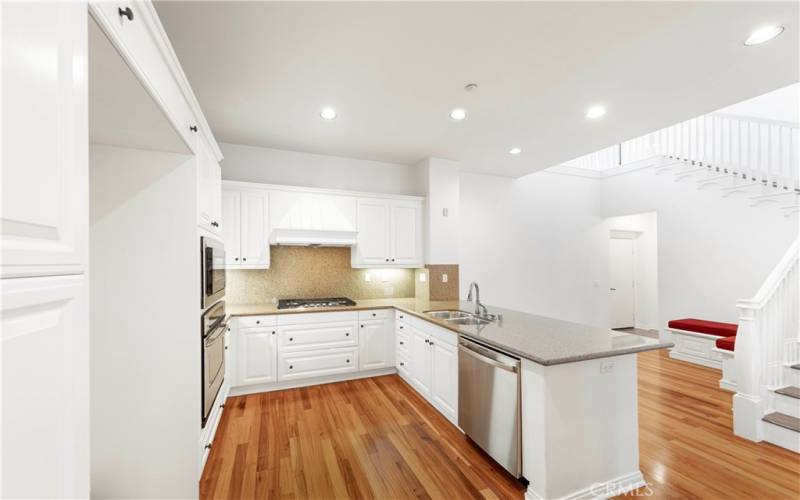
<point>489,408</point>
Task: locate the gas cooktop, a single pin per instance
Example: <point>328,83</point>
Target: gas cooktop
<point>312,303</point>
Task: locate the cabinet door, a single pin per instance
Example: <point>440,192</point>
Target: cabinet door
<point>209,188</point>
<point>44,214</point>
<point>406,234</point>
<point>255,229</point>
<point>373,233</point>
<point>257,355</point>
<point>375,351</point>
<point>420,362</point>
<point>45,387</point>
<point>444,378</point>
<point>231,227</point>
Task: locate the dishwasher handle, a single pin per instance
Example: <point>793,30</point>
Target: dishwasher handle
<point>465,348</point>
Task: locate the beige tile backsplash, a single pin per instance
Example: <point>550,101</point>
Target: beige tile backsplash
<point>313,273</point>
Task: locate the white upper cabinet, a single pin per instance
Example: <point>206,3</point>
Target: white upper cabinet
<point>209,188</point>
<point>231,225</point>
<point>389,233</point>
<point>44,208</point>
<point>245,228</point>
<point>373,247</point>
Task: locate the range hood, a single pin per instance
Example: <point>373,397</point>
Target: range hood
<point>313,237</point>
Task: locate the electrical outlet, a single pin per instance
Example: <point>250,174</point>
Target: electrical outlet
<point>606,366</point>
<point>423,277</point>
<point>444,277</point>
<point>444,212</point>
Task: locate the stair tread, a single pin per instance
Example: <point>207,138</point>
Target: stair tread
<point>791,391</point>
<point>783,420</point>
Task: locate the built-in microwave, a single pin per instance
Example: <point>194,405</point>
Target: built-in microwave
<point>213,270</point>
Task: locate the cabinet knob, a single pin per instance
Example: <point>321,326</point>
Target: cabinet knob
<point>362,326</point>
<point>426,341</point>
<point>401,316</point>
<point>431,342</point>
<point>291,339</point>
<point>236,258</point>
<point>208,446</point>
<point>373,315</point>
<point>215,224</point>
<point>348,360</point>
<point>244,258</point>
<point>348,333</point>
<point>401,327</point>
<point>193,128</point>
<point>402,364</point>
<point>273,332</point>
<point>126,12</point>
<point>401,342</point>
<point>392,260</point>
<point>258,321</point>
<point>387,260</point>
<point>222,405</point>
<point>291,366</point>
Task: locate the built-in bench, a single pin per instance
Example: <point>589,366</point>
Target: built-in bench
<point>696,341</point>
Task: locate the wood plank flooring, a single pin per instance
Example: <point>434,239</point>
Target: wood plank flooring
<point>377,438</point>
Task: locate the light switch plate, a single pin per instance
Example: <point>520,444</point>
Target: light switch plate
<point>444,212</point>
<point>423,277</point>
<point>444,278</point>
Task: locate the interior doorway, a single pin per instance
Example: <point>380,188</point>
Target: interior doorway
<point>622,305</point>
<point>633,272</point>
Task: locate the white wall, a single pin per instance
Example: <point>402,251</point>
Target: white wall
<point>274,166</point>
<point>441,180</point>
<point>711,250</point>
<point>782,104</point>
<point>535,244</point>
<point>644,228</point>
<point>145,324</point>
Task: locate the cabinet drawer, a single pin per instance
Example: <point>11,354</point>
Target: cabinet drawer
<point>305,337</point>
<point>374,314</point>
<point>401,316</point>
<point>403,366</point>
<point>442,334</point>
<point>303,364</point>
<point>402,327</point>
<point>256,321</point>
<point>319,317</point>
<point>403,343</point>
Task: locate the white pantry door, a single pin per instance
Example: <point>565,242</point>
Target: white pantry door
<point>621,312</point>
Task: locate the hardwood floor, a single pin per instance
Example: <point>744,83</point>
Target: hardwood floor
<point>376,438</point>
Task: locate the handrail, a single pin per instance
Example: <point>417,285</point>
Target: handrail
<point>755,119</point>
<point>773,280</point>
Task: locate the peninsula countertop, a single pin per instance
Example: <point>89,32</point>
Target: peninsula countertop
<point>543,340</point>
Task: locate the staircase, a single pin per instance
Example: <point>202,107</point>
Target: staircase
<point>742,157</point>
<point>767,358</point>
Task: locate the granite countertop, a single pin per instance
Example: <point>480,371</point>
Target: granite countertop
<point>543,340</point>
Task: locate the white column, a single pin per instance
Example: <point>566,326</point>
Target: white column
<point>747,410</point>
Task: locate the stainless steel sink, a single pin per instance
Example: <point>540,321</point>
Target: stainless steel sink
<point>448,315</point>
<point>469,320</point>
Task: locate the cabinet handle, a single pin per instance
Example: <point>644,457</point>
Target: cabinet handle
<point>215,224</point>
<point>236,258</point>
<point>208,446</point>
<point>222,405</point>
<point>431,342</point>
<point>401,327</point>
<point>401,342</point>
<point>193,128</point>
<point>402,364</point>
<point>126,12</point>
<point>244,258</point>
<point>401,316</point>
<point>426,341</point>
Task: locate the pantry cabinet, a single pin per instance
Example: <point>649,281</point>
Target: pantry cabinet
<point>245,228</point>
<point>389,233</point>
<point>209,179</point>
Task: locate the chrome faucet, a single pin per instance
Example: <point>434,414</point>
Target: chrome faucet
<point>478,306</point>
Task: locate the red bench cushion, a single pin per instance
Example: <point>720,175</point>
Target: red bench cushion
<point>726,343</point>
<point>703,326</point>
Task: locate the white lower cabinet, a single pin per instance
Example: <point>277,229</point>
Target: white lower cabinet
<point>376,339</point>
<point>427,358</point>
<point>257,355</point>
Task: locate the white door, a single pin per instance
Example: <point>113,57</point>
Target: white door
<point>255,228</point>
<point>444,378</point>
<point>420,362</point>
<point>621,313</point>
<point>231,227</point>
<point>406,234</point>
<point>373,232</point>
<point>257,355</point>
<point>44,191</point>
<point>374,350</point>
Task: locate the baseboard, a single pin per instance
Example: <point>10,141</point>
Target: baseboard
<point>243,390</point>
<point>697,360</point>
<point>727,385</point>
<point>597,491</point>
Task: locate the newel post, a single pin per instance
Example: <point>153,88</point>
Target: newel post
<point>747,410</point>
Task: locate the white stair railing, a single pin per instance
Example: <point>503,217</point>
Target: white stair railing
<point>768,323</point>
<point>766,151</point>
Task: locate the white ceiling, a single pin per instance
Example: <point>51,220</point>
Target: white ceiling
<point>262,71</point>
<point>121,112</point>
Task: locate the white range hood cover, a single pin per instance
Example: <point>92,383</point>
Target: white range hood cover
<point>313,237</point>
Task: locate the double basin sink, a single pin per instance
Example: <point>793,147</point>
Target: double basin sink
<point>458,317</point>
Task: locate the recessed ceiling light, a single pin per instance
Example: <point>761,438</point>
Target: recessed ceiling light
<point>458,114</point>
<point>328,113</point>
<point>514,151</point>
<point>764,34</point>
<point>595,112</point>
